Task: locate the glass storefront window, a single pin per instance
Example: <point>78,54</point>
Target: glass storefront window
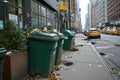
<point>43,14</point>
<point>34,7</point>
<point>20,3</point>
<point>13,2</point>
<point>43,11</point>
<point>40,17</point>
<point>35,20</point>
<point>20,17</point>
<point>12,10</point>
<point>43,20</point>
<point>39,10</point>
<point>16,2</point>
<point>40,20</point>
<point>48,21</point>
<point>48,14</point>
<point>13,14</point>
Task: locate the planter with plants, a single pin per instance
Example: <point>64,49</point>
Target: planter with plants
<point>16,60</point>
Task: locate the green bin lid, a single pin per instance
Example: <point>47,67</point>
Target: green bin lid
<point>2,52</point>
<point>67,33</point>
<point>61,35</point>
<point>73,32</point>
<point>44,36</point>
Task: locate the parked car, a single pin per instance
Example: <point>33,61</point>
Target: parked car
<point>93,32</point>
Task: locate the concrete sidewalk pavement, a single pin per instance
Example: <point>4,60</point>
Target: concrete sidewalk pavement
<point>87,63</point>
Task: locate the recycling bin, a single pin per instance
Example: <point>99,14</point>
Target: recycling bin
<point>69,40</point>
<point>2,53</point>
<point>42,50</point>
<point>59,48</point>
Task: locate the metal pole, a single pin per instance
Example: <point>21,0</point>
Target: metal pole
<point>69,15</point>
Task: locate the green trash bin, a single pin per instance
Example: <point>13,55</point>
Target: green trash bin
<point>2,53</point>
<point>59,48</point>
<point>42,50</point>
<point>69,40</point>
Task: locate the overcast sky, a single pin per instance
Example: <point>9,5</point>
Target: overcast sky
<point>83,6</point>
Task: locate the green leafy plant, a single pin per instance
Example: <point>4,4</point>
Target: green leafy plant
<point>13,38</point>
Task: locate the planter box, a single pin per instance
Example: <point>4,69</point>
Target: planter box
<point>15,66</point>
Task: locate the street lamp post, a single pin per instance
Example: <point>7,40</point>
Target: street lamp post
<point>69,15</point>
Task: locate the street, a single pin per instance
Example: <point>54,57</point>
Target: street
<point>109,48</point>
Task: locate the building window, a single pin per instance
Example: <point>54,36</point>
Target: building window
<point>13,2</point>
<point>15,12</point>
<point>35,17</point>
<point>20,3</point>
<point>40,16</point>
<point>20,18</point>
<point>12,13</point>
<point>49,18</point>
<point>12,10</point>
<point>43,15</point>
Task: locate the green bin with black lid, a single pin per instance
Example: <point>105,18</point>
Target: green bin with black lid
<point>59,50</point>
<point>69,40</point>
<point>42,50</point>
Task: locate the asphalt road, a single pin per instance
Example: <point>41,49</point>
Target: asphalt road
<point>109,48</point>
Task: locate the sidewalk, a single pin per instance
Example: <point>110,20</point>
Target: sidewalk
<point>87,63</point>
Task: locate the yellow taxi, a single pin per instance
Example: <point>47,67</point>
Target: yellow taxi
<point>104,30</point>
<point>108,30</point>
<point>114,31</point>
<point>118,31</point>
<point>93,32</point>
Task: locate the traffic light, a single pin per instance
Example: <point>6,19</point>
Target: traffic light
<point>63,7</point>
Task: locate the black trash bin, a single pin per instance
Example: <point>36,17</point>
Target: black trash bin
<point>42,50</point>
<point>2,53</point>
<point>59,48</point>
<point>69,40</point>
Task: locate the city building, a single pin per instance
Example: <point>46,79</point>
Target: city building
<point>102,12</point>
<point>94,13</point>
<point>87,18</point>
<point>75,15</point>
<point>89,12</point>
<point>78,16</point>
<point>114,11</point>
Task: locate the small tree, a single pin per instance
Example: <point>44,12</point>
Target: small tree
<point>13,38</point>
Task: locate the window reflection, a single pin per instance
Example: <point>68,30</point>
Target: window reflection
<point>20,3</point>
<point>35,14</point>
<point>35,20</point>
<point>13,1</point>
<point>42,15</point>
<point>20,17</point>
<point>12,10</point>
